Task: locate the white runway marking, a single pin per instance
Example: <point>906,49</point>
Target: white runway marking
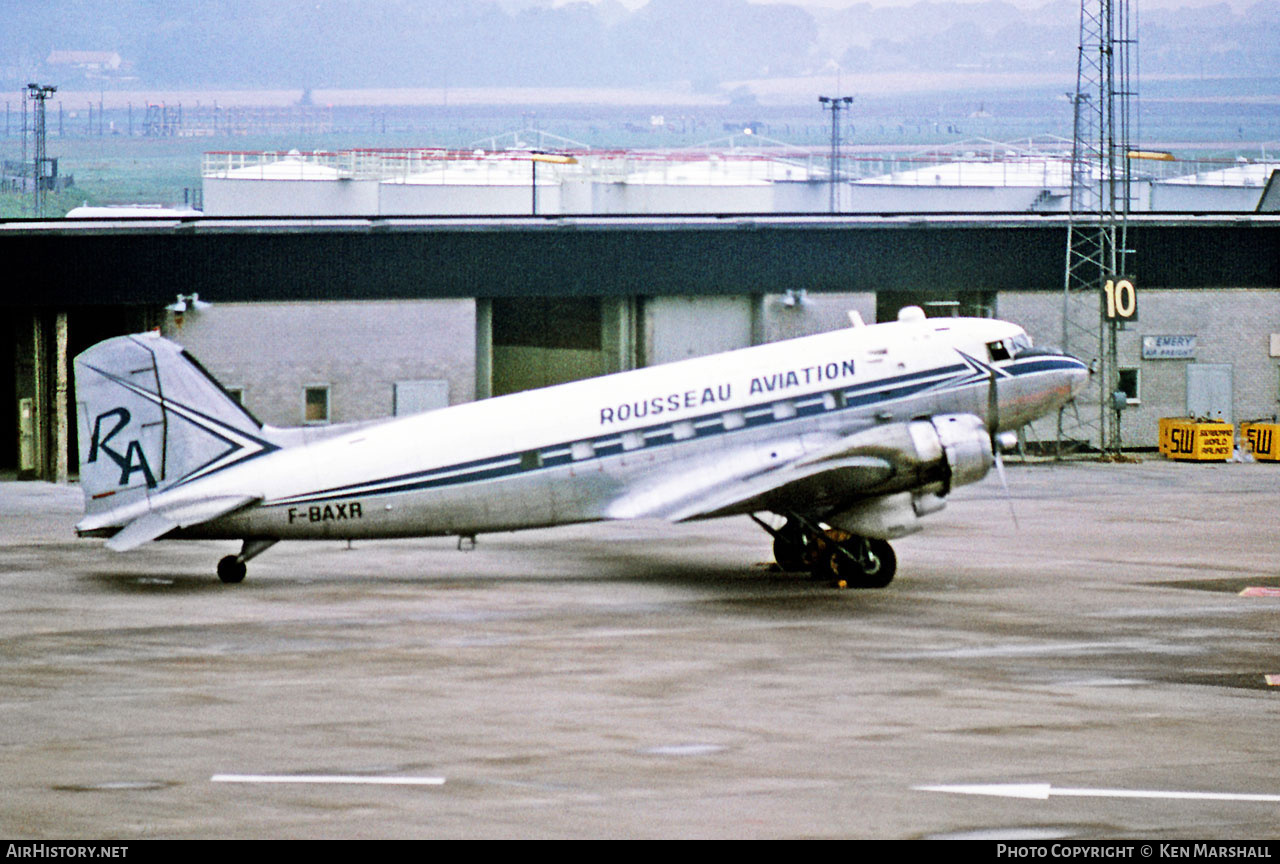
<point>1043,791</point>
<point>327,778</point>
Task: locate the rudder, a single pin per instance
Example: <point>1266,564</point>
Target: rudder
<point>151,418</point>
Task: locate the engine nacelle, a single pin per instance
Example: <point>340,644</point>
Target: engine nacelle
<point>946,451</point>
<point>966,446</point>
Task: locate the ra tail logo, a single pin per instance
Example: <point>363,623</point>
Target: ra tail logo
<point>133,459</point>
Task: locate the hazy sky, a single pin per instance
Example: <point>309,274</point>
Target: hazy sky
<point>1237,5</point>
<point>1024,4</point>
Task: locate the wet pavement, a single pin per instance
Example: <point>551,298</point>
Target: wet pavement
<point>646,680</point>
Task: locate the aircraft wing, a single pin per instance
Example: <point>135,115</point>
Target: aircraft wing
<point>769,478</point>
<point>160,521</point>
<point>813,476</point>
<point>809,486</point>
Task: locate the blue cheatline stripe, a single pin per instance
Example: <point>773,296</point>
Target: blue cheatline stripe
<point>857,396</point>
<point>235,439</point>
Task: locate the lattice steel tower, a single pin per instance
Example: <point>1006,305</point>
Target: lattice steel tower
<point>1097,235</point>
<point>39,94</point>
<point>835,104</point>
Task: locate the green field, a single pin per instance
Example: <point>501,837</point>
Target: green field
<point>1217,118</point>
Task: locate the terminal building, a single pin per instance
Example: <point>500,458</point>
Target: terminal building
<point>324,320</point>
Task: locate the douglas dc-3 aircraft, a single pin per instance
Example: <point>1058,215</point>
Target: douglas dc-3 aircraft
<point>850,436</point>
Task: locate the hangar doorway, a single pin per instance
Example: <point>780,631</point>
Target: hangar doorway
<point>541,341</point>
<point>28,376</point>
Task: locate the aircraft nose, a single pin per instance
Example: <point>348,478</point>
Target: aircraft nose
<point>1078,374</point>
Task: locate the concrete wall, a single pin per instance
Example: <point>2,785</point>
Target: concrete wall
<point>1230,326</point>
<point>815,313</point>
<point>359,348</point>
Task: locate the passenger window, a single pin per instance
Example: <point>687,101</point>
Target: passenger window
<point>582,450</point>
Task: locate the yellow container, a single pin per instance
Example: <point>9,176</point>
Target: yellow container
<point>1162,439</point>
<point>1262,440</point>
<point>1196,440</point>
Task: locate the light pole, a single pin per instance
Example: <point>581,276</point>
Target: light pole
<point>39,94</point>
<point>835,104</point>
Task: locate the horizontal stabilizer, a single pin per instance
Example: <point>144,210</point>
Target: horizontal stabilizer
<point>157,523</point>
<point>139,531</point>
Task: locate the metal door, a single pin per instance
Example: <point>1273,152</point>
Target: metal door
<point>415,397</point>
<point>1209,391</point>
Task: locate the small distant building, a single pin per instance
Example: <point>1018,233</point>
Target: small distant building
<point>89,63</point>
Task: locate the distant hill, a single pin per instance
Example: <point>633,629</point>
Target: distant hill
<point>317,44</point>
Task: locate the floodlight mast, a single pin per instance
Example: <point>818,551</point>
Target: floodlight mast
<point>1097,233</point>
<point>835,104</point>
<point>39,94</point>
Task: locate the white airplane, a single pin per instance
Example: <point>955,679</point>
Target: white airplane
<point>850,436</point>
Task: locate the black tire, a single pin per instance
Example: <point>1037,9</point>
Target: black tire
<point>883,565</point>
<point>791,551</point>
<point>231,571</point>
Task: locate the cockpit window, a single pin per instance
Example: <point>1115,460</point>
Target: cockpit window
<point>998,351</point>
<point>1021,342</point>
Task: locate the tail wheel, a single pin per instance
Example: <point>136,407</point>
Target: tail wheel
<point>231,570</point>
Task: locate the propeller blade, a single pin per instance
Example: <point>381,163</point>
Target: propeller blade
<point>997,446</point>
<point>1008,496</point>
<point>993,406</point>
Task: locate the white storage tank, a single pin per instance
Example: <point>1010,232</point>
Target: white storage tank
<point>1234,189</point>
<point>477,184</point>
<point>289,184</point>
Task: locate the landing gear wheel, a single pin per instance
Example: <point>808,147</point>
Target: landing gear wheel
<point>861,563</point>
<point>792,549</point>
<point>231,570</point>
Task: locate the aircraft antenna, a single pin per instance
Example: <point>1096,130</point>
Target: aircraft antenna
<point>1097,233</point>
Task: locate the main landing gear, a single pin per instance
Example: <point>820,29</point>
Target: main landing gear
<point>829,553</point>
<point>231,569</point>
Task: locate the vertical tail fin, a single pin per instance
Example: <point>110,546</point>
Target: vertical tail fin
<point>151,418</point>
